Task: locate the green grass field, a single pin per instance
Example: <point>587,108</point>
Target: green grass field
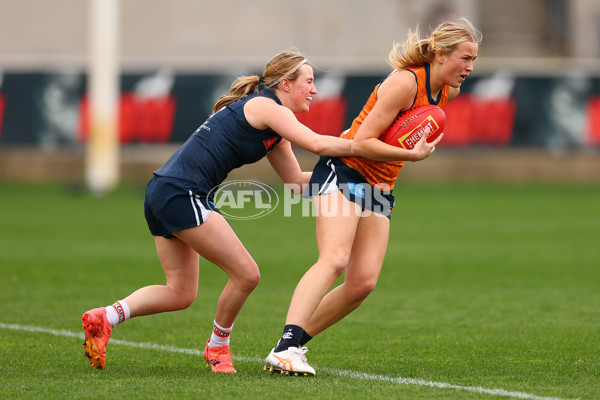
<point>488,291</point>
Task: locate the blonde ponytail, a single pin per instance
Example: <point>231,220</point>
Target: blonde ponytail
<point>241,87</point>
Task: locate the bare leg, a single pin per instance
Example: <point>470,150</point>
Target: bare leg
<point>361,276</point>
<point>215,241</point>
<point>180,263</point>
<point>219,244</point>
<point>335,233</point>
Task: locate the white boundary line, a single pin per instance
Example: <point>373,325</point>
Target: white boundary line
<point>342,373</point>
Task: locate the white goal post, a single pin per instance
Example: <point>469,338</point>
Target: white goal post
<point>102,166</point>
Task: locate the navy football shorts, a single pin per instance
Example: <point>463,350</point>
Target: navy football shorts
<point>171,205</point>
<point>331,174</point>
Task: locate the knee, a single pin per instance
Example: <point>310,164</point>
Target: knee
<point>336,262</point>
<point>186,302</point>
<point>184,297</point>
<point>252,281</point>
<point>361,290</point>
<point>249,280</point>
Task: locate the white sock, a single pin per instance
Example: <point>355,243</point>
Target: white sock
<point>220,335</point>
<point>117,313</point>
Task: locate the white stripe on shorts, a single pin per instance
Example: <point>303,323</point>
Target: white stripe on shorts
<point>330,185</point>
<point>204,213</point>
<point>194,207</point>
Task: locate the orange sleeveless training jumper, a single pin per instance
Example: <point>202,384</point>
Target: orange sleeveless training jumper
<point>386,172</point>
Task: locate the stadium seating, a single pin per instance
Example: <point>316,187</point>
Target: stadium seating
<point>481,122</point>
<point>593,129</point>
<point>2,103</point>
<point>140,120</point>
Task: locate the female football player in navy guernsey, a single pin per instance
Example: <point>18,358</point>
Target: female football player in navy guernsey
<point>246,126</point>
<point>353,196</point>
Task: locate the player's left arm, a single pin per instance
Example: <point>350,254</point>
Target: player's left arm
<point>285,164</point>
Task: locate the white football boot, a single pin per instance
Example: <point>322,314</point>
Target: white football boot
<point>290,362</point>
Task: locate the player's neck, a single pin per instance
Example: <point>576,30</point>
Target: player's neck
<point>436,83</point>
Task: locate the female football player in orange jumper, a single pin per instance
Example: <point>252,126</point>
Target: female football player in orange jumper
<point>353,196</point>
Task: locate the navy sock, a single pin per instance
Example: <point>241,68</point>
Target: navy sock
<point>292,334</point>
<point>305,338</point>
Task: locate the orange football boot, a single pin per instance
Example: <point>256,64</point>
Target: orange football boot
<point>219,359</point>
<point>97,332</point>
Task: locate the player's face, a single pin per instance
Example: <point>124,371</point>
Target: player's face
<point>459,64</point>
<point>302,89</point>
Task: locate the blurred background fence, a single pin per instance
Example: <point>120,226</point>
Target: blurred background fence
<point>531,109</point>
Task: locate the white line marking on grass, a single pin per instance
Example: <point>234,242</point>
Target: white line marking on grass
<point>339,372</point>
<point>441,385</point>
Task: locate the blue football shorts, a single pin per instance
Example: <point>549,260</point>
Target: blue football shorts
<point>331,174</point>
<point>171,204</point>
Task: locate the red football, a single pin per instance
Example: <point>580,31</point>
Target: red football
<point>409,126</point>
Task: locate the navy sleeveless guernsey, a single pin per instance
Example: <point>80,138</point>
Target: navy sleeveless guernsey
<point>225,141</point>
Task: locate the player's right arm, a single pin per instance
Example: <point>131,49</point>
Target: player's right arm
<point>396,94</point>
